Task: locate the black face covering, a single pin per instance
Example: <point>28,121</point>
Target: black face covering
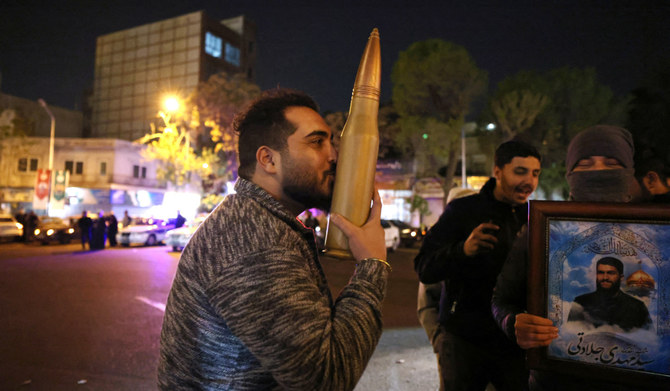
<point>600,185</point>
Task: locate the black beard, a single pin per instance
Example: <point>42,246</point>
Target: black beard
<point>616,286</point>
<point>308,199</point>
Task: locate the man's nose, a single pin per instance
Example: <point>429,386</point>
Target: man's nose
<point>332,157</point>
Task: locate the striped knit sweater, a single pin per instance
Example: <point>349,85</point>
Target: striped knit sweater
<point>250,307</point>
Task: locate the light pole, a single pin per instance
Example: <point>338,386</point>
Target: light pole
<point>464,178</point>
<point>51,147</point>
<point>53,131</point>
<point>465,128</point>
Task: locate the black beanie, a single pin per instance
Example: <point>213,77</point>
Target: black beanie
<point>601,140</point>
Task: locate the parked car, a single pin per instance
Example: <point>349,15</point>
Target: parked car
<point>54,229</point>
<point>10,229</point>
<point>408,235</point>
<point>392,235</point>
<point>143,231</point>
<point>178,238</point>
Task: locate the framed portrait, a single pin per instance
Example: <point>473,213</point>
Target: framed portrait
<point>601,273</point>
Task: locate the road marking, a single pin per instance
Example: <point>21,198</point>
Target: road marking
<point>152,303</point>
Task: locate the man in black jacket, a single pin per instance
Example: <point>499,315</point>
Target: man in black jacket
<point>466,249</point>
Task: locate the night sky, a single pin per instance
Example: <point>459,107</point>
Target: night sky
<point>48,51</point>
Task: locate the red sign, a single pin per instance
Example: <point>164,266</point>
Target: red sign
<point>41,194</point>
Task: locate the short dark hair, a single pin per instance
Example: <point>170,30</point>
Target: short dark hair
<point>611,261</point>
<point>514,148</point>
<point>263,122</point>
<point>649,160</point>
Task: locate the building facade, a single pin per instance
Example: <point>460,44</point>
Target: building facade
<point>30,117</point>
<point>137,67</point>
<point>105,174</point>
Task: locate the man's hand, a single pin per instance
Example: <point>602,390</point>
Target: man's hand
<point>366,241</point>
<point>481,239</point>
<point>533,331</point>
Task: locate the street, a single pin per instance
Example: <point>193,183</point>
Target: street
<point>71,319</point>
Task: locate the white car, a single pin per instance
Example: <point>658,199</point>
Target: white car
<point>178,238</point>
<point>10,228</point>
<point>391,234</point>
<point>147,232</point>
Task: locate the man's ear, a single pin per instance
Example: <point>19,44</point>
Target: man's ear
<point>651,180</point>
<point>267,159</point>
<point>497,172</point>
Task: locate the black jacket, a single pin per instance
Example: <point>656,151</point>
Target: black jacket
<point>465,305</point>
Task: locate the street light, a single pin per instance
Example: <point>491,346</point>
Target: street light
<point>467,127</point>
<point>51,148</point>
<point>171,104</point>
<point>53,131</point>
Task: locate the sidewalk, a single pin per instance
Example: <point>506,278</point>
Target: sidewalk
<point>403,361</point>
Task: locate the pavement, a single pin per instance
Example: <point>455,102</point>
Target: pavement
<point>403,361</point>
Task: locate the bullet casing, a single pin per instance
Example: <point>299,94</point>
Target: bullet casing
<point>357,156</point>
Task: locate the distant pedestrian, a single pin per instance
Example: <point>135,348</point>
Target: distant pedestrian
<point>99,233</point>
<point>112,228</point>
<point>29,227</point>
<point>85,224</point>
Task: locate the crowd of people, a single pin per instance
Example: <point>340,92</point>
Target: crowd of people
<point>473,268</point>
<point>250,306</point>
<point>97,232</point>
<point>94,233</point>
<point>242,302</point>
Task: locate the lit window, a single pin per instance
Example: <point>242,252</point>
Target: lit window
<point>213,45</point>
<point>232,54</point>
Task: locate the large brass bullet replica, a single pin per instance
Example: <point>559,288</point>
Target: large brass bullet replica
<point>357,155</point>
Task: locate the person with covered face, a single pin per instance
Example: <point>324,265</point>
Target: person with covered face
<point>600,168</point>
<point>250,307</point>
<point>608,305</point>
<point>465,250</point>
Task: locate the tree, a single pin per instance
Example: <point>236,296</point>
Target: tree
<point>389,128</point>
<point>210,110</point>
<point>14,124</point>
<point>336,121</point>
<point>516,111</point>
<point>434,85</point>
<point>649,111</point>
<point>420,205</point>
<point>170,146</point>
<point>575,100</point>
